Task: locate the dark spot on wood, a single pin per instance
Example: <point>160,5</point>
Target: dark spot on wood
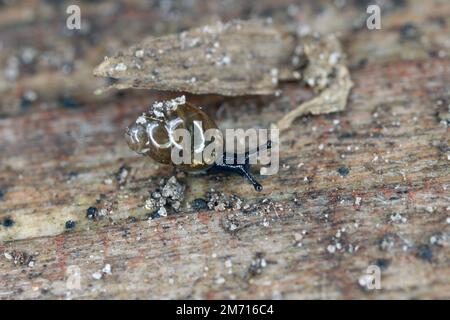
<point>132,219</point>
<point>92,213</point>
<point>111,81</point>
<point>233,225</point>
<point>425,253</point>
<point>122,174</point>
<point>347,135</point>
<point>257,265</point>
<point>382,263</point>
<point>70,224</point>
<point>362,63</point>
<point>361,4</point>
<point>344,171</point>
<point>409,31</point>
<point>68,102</point>
<point>25,103</point>
<point>125,232</point>
<point>199,204</point>
<point>297,201</point>
<point>377,135</point>
<point>120,94</point>
<point>34,275</point>
<point>8,222</point>
<point>2,195</point>
<point>394,197</point>
<point>154,215</point>
<point>72,174</point>
<point>433,53</point>
<point>443,148</point>
<point>313,194</point>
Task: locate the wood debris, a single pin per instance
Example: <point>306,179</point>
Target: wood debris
<point>233,59</point>
<point>327,74</point>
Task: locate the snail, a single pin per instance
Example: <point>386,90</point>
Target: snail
<point>154,134</point>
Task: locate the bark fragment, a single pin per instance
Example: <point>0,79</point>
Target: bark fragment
<point>233,59</point>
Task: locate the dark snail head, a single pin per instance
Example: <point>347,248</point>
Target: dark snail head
<point>153,134</point>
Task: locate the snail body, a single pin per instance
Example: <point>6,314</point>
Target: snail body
<point>155,135</point>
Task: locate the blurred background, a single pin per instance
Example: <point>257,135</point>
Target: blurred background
<point>45,65</point>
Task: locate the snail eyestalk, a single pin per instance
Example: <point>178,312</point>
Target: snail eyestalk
<point>230,164</point>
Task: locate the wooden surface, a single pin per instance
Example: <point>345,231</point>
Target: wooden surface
<point>310,234</point>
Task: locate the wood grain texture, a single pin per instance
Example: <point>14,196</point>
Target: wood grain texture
<point>369,185</point>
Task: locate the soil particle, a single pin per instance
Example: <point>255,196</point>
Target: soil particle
<point>343,171</point>
<point>8,222</point>
<point>219,201</point>
<point>383,264</point>
<point>409,31</point>
<point>425,253</point>
<point>122,174</point>
<point>257,265</point>
<point>387,242</point>
<point>440,239</point>
<point>167,197</point>
<point>232,224</point>
<point>92,213</point>
<point>70,224</point>
<point>199,204</point>
<point>20,258</point>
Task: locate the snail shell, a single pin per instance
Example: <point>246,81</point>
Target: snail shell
<point>153,134</point>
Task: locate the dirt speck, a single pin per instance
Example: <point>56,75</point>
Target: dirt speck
<point>199,204</point>
<point>92,213</point>
<point>122,174</point>
<point>166,198</point>
<point>387,242</point>
<point>219,201</point>
<point>20,258</point>
<point>8,222</point>
<point>257,265</point>
<point>425,253</point>
<point>343,171</point>
<point>70,224</point>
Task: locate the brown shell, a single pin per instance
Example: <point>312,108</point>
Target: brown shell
<point>153,138</point>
